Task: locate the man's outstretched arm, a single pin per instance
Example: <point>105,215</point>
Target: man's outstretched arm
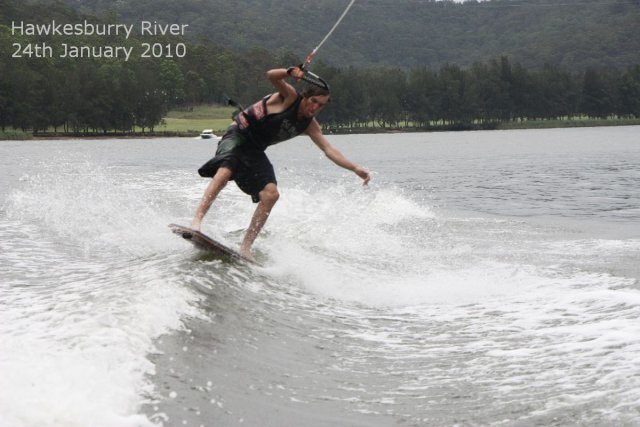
<point>315,133</point>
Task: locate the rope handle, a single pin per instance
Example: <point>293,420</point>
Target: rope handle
<point>310,77</point>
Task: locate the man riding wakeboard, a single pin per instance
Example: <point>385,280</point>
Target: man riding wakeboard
<point>241,157</point>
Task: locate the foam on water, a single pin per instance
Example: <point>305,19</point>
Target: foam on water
<point>381,248</point>
<point>93,206</point>
<point>536,317</point>
<point>377,303</point>
<point>84,293</point>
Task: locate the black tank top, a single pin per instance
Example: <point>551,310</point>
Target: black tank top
<point>264,129</point>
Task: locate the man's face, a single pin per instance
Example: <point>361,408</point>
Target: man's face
<point>313,105</point>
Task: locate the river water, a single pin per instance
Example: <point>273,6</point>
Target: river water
<point>483,278</point>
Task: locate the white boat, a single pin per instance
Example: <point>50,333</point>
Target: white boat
<point>208,134</point>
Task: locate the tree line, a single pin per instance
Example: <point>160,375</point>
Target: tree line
<point>481,96</point>
<point>105,96</point>
<point>84,95</point>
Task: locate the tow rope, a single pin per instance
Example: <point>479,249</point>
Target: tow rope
<point>313,52</point>
<point>310,77</point>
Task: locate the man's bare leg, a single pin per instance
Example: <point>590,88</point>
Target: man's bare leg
<point>268,198</point>
<point>218,182</point>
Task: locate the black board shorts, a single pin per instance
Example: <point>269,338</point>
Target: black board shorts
<point>250,166</point>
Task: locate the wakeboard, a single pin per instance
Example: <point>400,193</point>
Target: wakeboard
<point>206,243</point>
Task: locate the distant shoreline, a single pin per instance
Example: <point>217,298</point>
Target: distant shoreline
<point>453,127</point>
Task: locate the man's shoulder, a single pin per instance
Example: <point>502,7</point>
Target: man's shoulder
<point>314,127</point>
<point>276,103</point>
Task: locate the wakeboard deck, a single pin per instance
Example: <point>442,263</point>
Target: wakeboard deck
<point>206,243</point>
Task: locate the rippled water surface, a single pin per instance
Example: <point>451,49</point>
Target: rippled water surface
<point>483,278</point>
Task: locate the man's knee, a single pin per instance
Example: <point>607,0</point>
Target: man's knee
<point>269,194</point>
<point>220,180</point>
<point>223,174</point>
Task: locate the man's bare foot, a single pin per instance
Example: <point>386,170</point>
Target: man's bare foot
<point>195,225</point>
<point>246,253</point>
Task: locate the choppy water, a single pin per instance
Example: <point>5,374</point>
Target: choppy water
<point>484,278</point>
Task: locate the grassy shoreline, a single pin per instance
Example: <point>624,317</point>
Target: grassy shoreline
<point>193,120</point>
<point>190,123</point>
<point>568,123</point>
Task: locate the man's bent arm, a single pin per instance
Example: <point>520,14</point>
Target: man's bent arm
<point>278,77</point>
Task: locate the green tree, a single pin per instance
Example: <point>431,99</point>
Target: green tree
<point>195,88</point>
<point>597,98</point>
<point>629,93</point>
<point>456,102</point>
<point>422,102</point>
<point>151,101</point>
<point>172,82</point>
<point>554,94</point>
<point>388,88</point>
